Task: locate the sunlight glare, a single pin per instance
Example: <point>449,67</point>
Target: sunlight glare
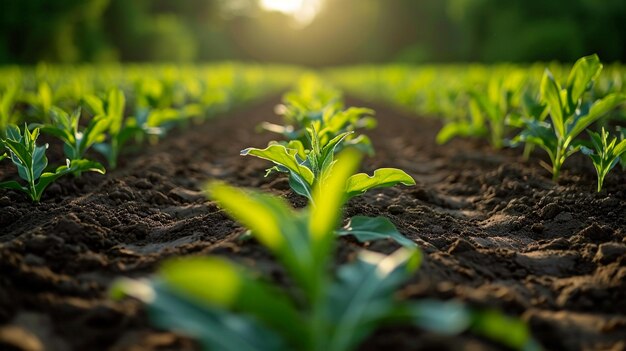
<point>303,11</point>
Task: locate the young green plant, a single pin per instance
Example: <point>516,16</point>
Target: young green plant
<point>307,167</point>
<point>31,162</point>
<point>315,105</point>
<point>490,109</point>
<point>66,127</point>
<point>228,307</point>
<point>120,130</point>
<point>569,113</point>
<point>605,154</point>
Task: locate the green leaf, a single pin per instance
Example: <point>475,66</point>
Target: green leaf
<point>328,196</point>
<point>263,214</point>
<point>620,148</point>
<point>274,224</point>
<point>237,291</point>
<point>585,70</point>
<point>297,145</point>
<point>282,156</point>
<point>382,178</point>
<point>95,104</point>
<point>40,161</point>
<point>363,295</point>
<point>75,166</point>
<point>374,228</point>
<point>440,317</point>
<point>215,328</point>
<point>598,109</point>
<point>94,132</point>
<point>361,143</point>
<point>328,152</point>
<point>57,132</point>
<point>551,94</point>
<point>458,128</point>
<point>300,186</point>
<point>11,184</point>
<point>115,110</point>
<point>13,132</point>
<point>511,332</point>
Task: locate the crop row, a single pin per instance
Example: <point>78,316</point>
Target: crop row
<point>105,108</point>
<point>508,105</point>
<point>228,307</point>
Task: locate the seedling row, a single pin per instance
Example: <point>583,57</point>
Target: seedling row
<point>98,113</point>
<point>558,109</point>
<point>324,310</point>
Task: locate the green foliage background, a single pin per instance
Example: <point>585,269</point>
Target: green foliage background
<point>346,31</point>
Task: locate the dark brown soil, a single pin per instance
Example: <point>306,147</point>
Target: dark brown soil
<point>496,233</point>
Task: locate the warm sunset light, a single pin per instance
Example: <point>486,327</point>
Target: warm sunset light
<point>303,11</point>
<point>310,175</point>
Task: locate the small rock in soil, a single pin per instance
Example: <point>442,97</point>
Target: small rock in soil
<point>550,211</point>
<point>186,195</point>
<point>609,202</point>
<point>42,243</point>
<point>461,245</point>
<point>609,252</point>
<point>556,244</point>
<point>564,217</point>
<point>143,184</point>
<point>34,260</point>
<point>69,224</point>
<point>123,194</point>
<point>537,228</point>
<point>5,201</point>
<point>596,233</point>
<point>395,209</point>
<point>159,198</point>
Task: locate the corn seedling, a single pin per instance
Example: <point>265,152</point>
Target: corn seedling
<point>308,167</point>
<point>489,110</point>
<point>569,112</point>
<point>31,162</point>
<point>66,127</point>
<point>120,130</point>
<point>313,105</point>
<point>605,154</point>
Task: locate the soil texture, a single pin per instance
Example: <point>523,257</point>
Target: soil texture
<point>495,230</point>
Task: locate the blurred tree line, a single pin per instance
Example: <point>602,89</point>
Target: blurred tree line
<point>344,32</point>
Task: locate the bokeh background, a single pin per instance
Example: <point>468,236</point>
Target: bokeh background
<point>310,32</point>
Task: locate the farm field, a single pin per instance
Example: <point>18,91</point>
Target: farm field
<point>312,175</point>
<point>495,231</point>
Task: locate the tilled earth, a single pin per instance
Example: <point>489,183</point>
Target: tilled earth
<point>496,233</point>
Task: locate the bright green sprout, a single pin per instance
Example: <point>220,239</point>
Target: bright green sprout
<point>306,168</point>
<point>315,105</point>
<point>490,109</point>
<point>308,172</point>
<point>120,130</point>
<point>622,137</point>
<point>605,154</point>
<point>569,113</point>
<point>66,126</point>
<point>31,161</point>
